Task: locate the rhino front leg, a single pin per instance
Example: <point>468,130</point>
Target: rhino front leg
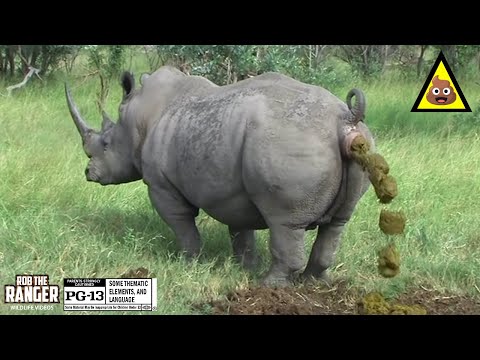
<point>180,217</point>
<point>243,244</point>
<point>288,254</point>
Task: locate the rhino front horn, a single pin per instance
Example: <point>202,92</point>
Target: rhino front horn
<point>81,125</point>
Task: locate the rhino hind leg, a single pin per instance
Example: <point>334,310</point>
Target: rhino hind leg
<point>329,234</point>
<point>180,217</point>
<point>244,250</point>
<point>323,251</point>
<point>288,255</point>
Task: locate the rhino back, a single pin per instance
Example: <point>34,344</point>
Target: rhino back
<point>198,145</point>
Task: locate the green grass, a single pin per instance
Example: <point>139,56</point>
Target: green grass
<point>53,222</point>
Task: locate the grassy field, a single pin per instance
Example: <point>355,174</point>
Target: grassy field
<point>53,222</point>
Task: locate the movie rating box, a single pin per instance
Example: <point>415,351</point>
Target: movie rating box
<point>110,294</point>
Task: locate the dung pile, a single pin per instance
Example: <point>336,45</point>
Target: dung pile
<point>389,261</point>
<point>391,223</point>
<point>384,184</point>
<point>375,304</point>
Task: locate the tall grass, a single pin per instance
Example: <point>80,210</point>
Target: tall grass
<point>53,222</point>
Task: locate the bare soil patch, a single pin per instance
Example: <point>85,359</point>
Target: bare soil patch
<point>340,300</point>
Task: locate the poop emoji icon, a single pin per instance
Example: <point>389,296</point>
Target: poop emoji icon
<point>441,93</point>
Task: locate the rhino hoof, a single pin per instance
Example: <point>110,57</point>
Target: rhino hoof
<point>276,282</point>
<point>322,278</point>
<point>190,256</point>
<point>249,263</point>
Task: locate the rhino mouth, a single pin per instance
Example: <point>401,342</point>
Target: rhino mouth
<point>96,180</point>
<point>91,176</point>
<point>441,100</point>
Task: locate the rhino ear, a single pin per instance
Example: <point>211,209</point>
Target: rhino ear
<point>144,77</point>
<point>128,83</point>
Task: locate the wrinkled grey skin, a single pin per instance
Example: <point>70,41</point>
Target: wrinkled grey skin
<point>266,152</point>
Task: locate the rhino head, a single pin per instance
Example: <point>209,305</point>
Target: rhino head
<point>110,150</point>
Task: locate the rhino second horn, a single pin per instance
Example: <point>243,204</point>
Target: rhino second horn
<point>143,78</point>
<point>107,123</point>
<point>77,118</point>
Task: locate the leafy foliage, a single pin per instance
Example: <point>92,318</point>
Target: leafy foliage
<point>326,65</point>
<point>107,62</point>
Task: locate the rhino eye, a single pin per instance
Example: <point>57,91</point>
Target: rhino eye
<point>105,144</point>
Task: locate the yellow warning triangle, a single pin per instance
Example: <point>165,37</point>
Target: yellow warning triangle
<point>441,92</point>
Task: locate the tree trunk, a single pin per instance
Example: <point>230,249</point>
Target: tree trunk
<point>450,52</point>
<point>365,56</point>
<point>2,69</point>
<point>45,60</point>
<point>24,56</point>
<point>10,58</point>
<point>420,60</point>
<point>385,58</point>
<point>319,54</point>
<point>36,52</point>
<point>317,51</point>
<point>310,57</point>
<point>261,52</point>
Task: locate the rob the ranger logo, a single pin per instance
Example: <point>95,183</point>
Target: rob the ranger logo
<point>32,289</point>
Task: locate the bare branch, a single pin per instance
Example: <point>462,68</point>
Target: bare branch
<point>32,71</point>
<point>85,77</point>
<point>102,94</point>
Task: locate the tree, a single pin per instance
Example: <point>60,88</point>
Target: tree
<point>105,61</point>
<point>450,52</point>
<point>46,58</point>
<point>366,60</point>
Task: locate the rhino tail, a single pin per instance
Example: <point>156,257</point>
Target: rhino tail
<point>348,129</point>
<point>358,109</point>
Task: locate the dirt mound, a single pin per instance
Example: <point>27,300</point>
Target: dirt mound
<point>307,300</point>
<point>339,300</point>
<point>442,304</point>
